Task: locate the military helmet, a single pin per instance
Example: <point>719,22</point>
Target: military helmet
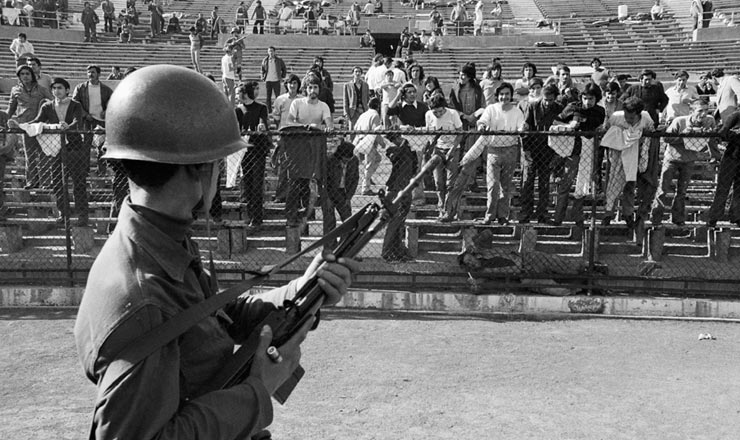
<point>170,114</point>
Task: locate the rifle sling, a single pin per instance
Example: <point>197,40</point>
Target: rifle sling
<point>149,342</point>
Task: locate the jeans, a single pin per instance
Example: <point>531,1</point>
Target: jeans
<point>445,175</point>
<point>395,233</point>
<point>270,88</point>
<point>500,165</point>
<point>535,165</point>
<point>661,202</point>
<point>76,162</point>
<point>728,176</point>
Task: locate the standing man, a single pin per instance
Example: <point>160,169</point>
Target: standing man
<point>369,121</point>
<point>109,15</point>
<point>600,76</point>
<point>26,98</point>
<point>228,73</point>
<point>241,17</point>
<point>21,48</point>
<point>375,75</point>
<point>680,97</point>
<point>728,93</point>
<point>304,164</point>
<point>458,17</point>
<point>215,23</point>
<point>273,72</point>
<point>281,116</point>
<point>356,94</point>
<point>43,79</point>
<point>236,43</point>
<point>439,117</point>
<point>94,97</point>
<point>149,271</point>
<point>90,20</point>
<point>259,15</point>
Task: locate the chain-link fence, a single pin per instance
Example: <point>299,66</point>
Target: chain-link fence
<point>556,211</point>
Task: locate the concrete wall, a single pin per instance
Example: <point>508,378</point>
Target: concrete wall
<point>717,34</point>
<point>339,41</point>
<point>36,34</point>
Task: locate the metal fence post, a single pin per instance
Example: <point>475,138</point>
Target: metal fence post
<point>65,204</point>
<point>595,169</point>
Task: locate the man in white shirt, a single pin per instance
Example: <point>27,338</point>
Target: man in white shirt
<point>375,75</point>
<point>280,116</point>
<point>21,48</point>
<point>439,117</point>
<point>728,93</point>
<point>369,121</point>
<point>228,73</point>
<point>680,97</point>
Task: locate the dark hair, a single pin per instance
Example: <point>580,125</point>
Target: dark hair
<point>61,81</point>
<point>563,68</point>
<point>292,78</point>
<point>536,81</point>
<point>33,60</point>
<point>248,88</point>
<point>271,47</point>
<point>311,79</point>
<point>505,85</point>
<point>357,67</point>
<point>437,100</point>
<point>374,103</point>
<point>592,89</point>
<point>421,71</point>
<point>468,69</point>
<point>597,60</point>
<point>633,104</point>
<point>129,71</point>
<point>551,89</point>
<point>23,67</point>
<point>530,65</point>
<point>23,35</point>
<point>149,174</point>
<point>93,66</point>
<point>432,80</point>
<point>717,73</point>
<point>613,86</point>
<point>648,72</point>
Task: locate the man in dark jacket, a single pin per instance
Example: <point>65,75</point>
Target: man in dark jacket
<point>342,176</point>
<point>537,155</point>
<point>404,165</point>
<point>728,175</point>
<point>273,72</point>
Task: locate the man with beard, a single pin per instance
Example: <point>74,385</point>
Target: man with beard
<point>281,116</point>
<point>302,159</point>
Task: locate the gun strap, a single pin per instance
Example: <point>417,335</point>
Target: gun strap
<point>149,342</point>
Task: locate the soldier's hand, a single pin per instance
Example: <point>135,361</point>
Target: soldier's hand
<point>273,372</point>
<point>335,275</point>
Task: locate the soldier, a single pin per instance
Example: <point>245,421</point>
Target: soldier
<point>149,271</point>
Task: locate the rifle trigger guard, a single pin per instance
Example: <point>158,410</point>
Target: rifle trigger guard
<point>289,304</point>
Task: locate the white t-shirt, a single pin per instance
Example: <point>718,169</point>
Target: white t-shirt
<point>374,76</point>
<point>450,120</point>
<point>96,102</point>
<point>496,119</point>
<point>303,112</point>
<point>227,67</point>
<point>281,108</point>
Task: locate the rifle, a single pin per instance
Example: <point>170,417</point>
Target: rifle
<point>355,233</point>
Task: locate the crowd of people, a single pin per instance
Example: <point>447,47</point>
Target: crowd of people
<point>627,163</point>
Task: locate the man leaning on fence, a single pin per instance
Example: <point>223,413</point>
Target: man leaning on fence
<point>679,158</point>
<point>728,175</point>
<point>66,114</point>
<point>149,271</point>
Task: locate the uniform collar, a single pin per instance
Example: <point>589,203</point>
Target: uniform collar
<point>162,237</point>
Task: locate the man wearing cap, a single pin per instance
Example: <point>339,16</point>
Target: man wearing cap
<point>728,93</point>
<point>680,97</point>
<point>273,72</point>
<point>149,271</point>
<point>236,43</point>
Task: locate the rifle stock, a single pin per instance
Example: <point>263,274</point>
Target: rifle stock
<point>308,300</point>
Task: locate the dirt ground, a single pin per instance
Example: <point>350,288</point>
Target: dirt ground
<point>401,376</point>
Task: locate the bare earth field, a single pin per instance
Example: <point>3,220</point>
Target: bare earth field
<point>401,376</point>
